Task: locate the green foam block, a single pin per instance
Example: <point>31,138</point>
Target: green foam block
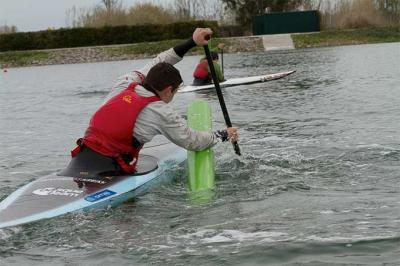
<point>200,163</point>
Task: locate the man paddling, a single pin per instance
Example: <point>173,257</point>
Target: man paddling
<point>137,109</point>
<point>202,72</point>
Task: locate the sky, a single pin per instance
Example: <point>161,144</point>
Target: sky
<point>34,15</point>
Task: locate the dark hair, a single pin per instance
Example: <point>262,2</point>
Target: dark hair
<point>162,75</point>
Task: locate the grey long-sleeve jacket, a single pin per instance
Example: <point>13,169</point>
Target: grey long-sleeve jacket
<point>158,117</point>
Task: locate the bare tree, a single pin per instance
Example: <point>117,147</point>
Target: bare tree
<point>149,13</point>
<point>111,13</point>
<point>185,8</point>
<point>7,29</point>
<point>111,5</point>
<point>198,9</point>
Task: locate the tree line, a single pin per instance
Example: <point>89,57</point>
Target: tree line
<point>113,13</point>
<point>334,13</point>
<point>7,29</point>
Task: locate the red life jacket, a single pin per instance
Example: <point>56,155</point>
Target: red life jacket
<point>110,130</point>
<point>201,71</point>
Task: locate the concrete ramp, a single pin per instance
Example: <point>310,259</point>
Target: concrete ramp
<point>277,42</point>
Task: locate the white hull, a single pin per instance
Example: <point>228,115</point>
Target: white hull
<point>238,81</point>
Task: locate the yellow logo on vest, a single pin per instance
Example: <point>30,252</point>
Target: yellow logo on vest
<point>127,98</point>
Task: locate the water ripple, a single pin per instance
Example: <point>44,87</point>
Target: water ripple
<point>317,183</point>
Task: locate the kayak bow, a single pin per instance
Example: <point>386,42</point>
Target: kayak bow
<point>54,195</point>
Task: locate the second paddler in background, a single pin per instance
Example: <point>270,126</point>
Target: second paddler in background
<point>202,74</point>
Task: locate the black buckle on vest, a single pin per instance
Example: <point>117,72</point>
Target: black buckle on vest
<point>136,143</point>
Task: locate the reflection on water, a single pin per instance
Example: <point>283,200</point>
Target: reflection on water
<point>317,183</point>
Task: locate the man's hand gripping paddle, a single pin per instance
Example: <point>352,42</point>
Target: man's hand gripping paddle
<point>219,93</point>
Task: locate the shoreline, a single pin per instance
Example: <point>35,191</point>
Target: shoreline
<point>343,37</point>
<point>242,44</point>
<point>92,54</point>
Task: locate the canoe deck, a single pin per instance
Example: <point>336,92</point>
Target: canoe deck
<point>239,81</point>
<point>54,195</point>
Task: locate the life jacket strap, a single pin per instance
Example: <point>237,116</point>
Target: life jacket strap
<point>140,75</point>
<point>77,149</point>
<point>129,168</point>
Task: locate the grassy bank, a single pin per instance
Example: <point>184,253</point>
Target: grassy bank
<point>233,45</point>
<point>117,52</point>
<point>347,37</point>
<point>22,58</point>
<point>145,49</point>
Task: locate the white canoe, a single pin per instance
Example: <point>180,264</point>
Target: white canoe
<point>238,81</point>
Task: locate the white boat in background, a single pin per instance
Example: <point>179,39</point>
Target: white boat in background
<point>238,81</point>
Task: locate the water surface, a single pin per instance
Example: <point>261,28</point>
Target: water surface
<point>318,182</point>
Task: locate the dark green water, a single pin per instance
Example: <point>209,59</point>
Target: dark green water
<point>318,182</point>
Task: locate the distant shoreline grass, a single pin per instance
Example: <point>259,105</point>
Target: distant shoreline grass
<point>22,58</point>
<point>145,48</point>
<point>233,44</point>
<point>117,52</point>
<point>346,37</point>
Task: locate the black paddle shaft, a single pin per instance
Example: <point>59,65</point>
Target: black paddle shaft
<point>222,61</point>
<point>220,96</point>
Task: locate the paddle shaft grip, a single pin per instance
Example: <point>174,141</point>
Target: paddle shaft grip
<point>220,96</point>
